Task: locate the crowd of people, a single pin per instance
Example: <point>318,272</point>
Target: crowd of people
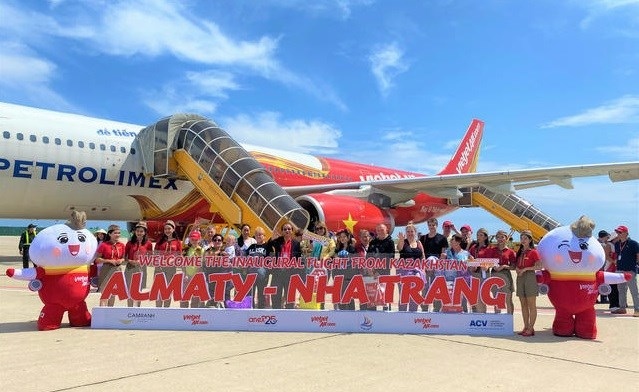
<point>113,254</point>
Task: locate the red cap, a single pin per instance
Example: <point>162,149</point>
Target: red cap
<point>621,229</point>
<point>195,235</point>
<point>447,224</point>
<point>466,227</point>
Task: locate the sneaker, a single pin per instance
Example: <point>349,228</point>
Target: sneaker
<point>619,311</point>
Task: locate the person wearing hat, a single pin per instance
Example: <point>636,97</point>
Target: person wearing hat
<point>507,258</point>
<point>627,251</point>
<point>137,246</point>
<point>26,239</point>
<point>467,235</point>
<point>110,254</point>
<point>603,237</point>
<point>100,235</point>
<point>168,244</point>
<point>193,248</point>
<point>528,261</point>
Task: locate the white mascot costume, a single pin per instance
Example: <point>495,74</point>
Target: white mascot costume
<point>63,254</point>
<point>572,259</point>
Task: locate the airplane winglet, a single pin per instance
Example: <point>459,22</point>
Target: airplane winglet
<point>465,158</point>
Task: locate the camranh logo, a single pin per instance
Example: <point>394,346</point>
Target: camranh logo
<point>138,318</point>
<point>266,319</point>
<point>194,319</point>
<point>367,324</point>
<point>323,321</point>
<point>426,323</point>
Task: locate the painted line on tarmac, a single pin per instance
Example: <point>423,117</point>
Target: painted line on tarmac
<point>442,338</point>
<point>323,337</point>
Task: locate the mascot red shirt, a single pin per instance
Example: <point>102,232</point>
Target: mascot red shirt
<point>62,254</point>
<point>572,259</point>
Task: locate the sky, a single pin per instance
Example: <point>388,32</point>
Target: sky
<point>388,83</point>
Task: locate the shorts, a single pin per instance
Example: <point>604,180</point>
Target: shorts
<point>508,278</point>
<point>527,285</point>
<point>106,271</point>
<point>129,270</point>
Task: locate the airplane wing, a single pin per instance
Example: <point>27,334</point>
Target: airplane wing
<point>503,182</point>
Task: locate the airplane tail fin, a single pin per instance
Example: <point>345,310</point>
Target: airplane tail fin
<point>465,158</point>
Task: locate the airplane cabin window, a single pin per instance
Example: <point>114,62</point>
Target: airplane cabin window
<point>45,139</point>
<point>92,146</point>
<point>6,134</point>
<point>81,144</point>
<point>19,136</point>
<point>123,150</point>
<point>33,138</point>
<point>102,147</point>
<point>112,148</point>
<point>58,142</point>
<point>132,151</point>
<point>69,142</point>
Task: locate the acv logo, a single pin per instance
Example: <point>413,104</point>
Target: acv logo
<point>478,323</point>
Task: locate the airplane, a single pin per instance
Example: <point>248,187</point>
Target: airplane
<point>52,163</point>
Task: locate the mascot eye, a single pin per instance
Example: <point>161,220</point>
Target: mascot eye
<point>63,239</point>
<point>563,243</point>
<point>583,246</point>
<point>82,237</point>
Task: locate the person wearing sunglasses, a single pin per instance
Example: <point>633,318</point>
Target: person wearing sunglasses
<point>284,246</point>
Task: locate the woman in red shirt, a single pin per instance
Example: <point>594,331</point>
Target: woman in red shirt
<point>110,254</point>
<point>137,246</point>
<point>480,249</point>
<point>168,244</point>
<point>528,261</point>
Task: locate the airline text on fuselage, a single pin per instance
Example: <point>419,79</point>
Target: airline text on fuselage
<point>71,173</point>
<point>384,176</point>
<point>468,147</point>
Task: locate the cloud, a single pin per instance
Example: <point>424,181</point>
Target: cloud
<point>598,9</point>
<point>337,8</point>
<point>27,77</point>
<point>629,150</point>
<point>150,29</point>
<point>386,63</point>
<point>269,130</point>
<point>624,110</point>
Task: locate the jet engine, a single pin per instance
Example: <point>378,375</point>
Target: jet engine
<point>340,212</point>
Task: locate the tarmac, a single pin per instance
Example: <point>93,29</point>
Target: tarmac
<point>85,359</point>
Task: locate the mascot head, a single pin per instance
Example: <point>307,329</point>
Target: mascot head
<point>572,251</point>
<point>64,245</point>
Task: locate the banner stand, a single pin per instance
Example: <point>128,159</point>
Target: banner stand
<point>284,320</point>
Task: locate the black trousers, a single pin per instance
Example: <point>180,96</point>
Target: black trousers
<point>25,256</point>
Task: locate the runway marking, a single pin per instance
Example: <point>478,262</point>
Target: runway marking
<point>442,338</point>
<point>323,337</point>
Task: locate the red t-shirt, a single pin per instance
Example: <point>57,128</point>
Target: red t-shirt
<point>506,256</point>
<point>134,250</point>
<point>528,258</point>
<point>287,247</point>
<point>484,252</point>
<point>171,246</point>
<point>111,251</point>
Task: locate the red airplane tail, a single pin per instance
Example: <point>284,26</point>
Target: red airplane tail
<point>465,158</point>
